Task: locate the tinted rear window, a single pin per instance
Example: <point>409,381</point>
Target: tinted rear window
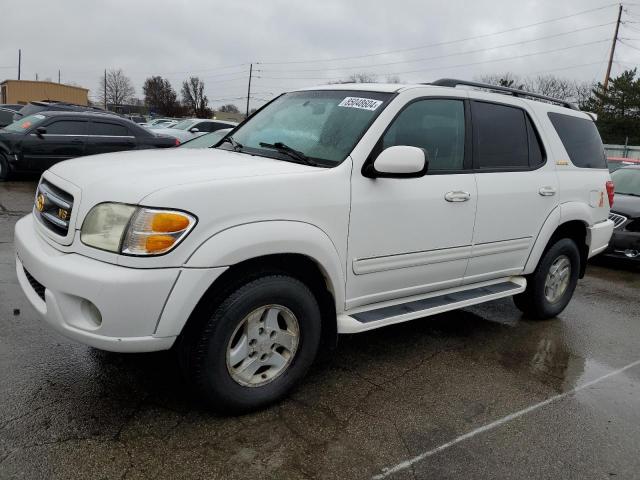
<point>581,140</point>
<point>501,136</point>
<point>108,129</point>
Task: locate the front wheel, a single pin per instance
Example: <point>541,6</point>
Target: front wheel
<point>551,286</point>
<point>257,344</point>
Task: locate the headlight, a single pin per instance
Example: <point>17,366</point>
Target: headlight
<point>120,228</point>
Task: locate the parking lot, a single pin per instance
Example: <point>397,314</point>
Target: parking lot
<point>475,393</point>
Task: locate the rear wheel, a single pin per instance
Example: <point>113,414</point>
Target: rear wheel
<point>551,286</point>
<point>4,168</point>
<point>257,344</point>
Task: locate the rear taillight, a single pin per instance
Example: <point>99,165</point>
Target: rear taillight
<point>610,192</point>
<point>177,142</point>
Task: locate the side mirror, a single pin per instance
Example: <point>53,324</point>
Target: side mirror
<point>194,130</point>
<point>40,131</point>
<point>399,161</point>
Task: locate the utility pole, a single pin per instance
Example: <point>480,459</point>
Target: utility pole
<point>105,89</point>
<point>58,75</point>
<point>249,87</point>
<point>613,50</point>
<point>19,62</point>
<point>36,76</point>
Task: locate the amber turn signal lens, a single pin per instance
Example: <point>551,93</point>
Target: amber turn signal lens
<point>158,243</point>
<point>169,222</point>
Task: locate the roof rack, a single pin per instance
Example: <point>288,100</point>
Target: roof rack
<point>452,82</point>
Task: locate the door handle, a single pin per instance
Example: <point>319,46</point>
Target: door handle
<point>457,196</point>
<point>547,191</point>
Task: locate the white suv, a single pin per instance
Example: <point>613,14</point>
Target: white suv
<point>331,210</point>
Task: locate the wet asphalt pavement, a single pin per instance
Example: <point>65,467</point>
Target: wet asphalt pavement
<point>408,393</point>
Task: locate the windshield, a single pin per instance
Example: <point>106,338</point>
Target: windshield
<point>323,125</point>
<point>25,123</point>
<point>627,181</point>
<point>207,140</point>
<point>184,125</point>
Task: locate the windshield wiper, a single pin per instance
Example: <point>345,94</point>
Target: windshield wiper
<point>237,147</point>
<point>291,152</point>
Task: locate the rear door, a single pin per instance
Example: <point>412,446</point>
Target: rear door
<point>108,136</point>
<point>516,187</point>
<point>63,139</point>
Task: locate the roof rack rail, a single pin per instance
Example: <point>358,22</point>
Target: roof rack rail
<point>452,82</point>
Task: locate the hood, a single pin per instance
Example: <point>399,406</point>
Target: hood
<point>626,205</point>
<point>130,176</point>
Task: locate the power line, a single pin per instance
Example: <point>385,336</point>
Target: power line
<point>436,57</point>
<point>449,42</point>
<point>455,66</point>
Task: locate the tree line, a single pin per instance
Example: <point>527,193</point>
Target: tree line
<point>117,90</point>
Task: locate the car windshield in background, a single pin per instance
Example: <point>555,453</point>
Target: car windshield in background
<point>183,125</point>
<point>324,125</point>
<point>206,141</point>
<point>25,123</point>
<point>627,181</point>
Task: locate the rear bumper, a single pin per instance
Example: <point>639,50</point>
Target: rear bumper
<point>624,245</point>
<point>598,237</point>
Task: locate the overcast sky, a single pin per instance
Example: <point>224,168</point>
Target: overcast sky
<point>300,43</point>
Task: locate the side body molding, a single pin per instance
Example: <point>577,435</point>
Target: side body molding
<point>257,239</point>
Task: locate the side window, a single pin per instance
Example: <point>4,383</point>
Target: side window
<point>500,136</point>
<point>581,140</point>
<point>67,127</point>
<point>437,126</point>
<point>204,126</point>
<point>108,129</point>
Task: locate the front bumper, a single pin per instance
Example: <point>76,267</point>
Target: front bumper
<point>107,306</point>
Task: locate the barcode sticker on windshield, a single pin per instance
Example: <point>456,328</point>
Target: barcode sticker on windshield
<point>362,103</point>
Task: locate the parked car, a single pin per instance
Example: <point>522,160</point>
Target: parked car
<point>139,119</point>
<point>194,127</point>
<point>12,106</point>
<point>36,107</point>
<point>625,213</point>
<point>38,141</point>
<point>6,116</point>
<point>163,124</point>
<point>332,210</point>
<point>618,162</point>
<point>207,140</point>
<point>158,121</point>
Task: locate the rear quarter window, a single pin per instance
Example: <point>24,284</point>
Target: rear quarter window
<point>581,140</point>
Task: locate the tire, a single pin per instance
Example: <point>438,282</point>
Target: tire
<point>210,352</point>
<point>540,300</point>
<point>4,168</point>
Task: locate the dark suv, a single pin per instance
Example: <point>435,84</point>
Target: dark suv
<point>38,141</point>
<point>36,107</point>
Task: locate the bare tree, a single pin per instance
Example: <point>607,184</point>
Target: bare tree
<point>159,95</point>
<point>361,77</point>
<point>506,79</point>
<point>393,79</point>
<point>194,98</point>
<point>229,108</point>
<point>551,86</point>
<point>119,89</point>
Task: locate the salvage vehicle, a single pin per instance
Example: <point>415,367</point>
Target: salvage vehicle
<point>331,210</point>
<point>32,108</point>
<point>194,127</point>
<point>625,214</point>
<point>38,141</point>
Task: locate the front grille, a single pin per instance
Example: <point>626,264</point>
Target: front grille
<point>53,207</point>
<point>36,285</point>
<point>618,220</point>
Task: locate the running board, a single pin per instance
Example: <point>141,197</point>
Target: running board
<point>387,313</point>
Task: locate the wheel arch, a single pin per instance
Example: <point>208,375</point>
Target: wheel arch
<point>561,225</point>
<point>298,249</point>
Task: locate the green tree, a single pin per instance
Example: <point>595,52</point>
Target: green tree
<point>618,108</point>
<point>159,95</point>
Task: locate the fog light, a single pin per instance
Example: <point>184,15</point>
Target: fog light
<point>631,253</point>
<point>91,313</point>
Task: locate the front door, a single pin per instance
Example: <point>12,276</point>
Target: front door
<point>62,140</point>
<point>409,236</point>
